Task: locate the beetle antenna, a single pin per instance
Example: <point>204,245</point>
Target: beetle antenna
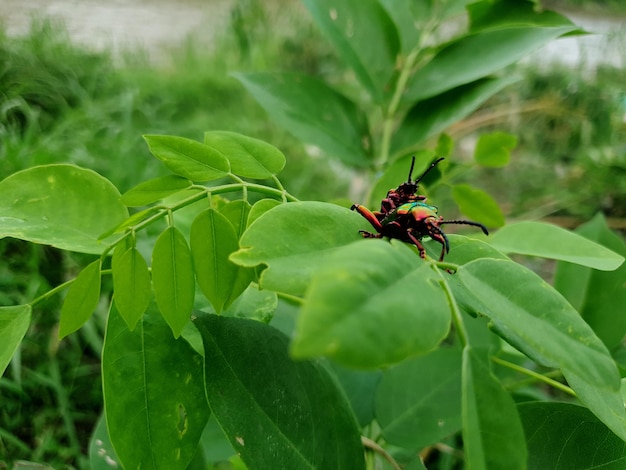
<point>411,170</point>
<point>466,222</point>
<point>432,165</point>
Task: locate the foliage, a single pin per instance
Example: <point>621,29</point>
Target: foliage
<point>364,337</point>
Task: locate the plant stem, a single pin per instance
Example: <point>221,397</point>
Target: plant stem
<point>46,295</point>
<point>373,445</point>
<point>535,375</point>
<point>457,317</point>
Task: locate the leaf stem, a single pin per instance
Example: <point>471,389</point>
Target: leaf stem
<point>535,375</point>
<point>373,445</point>
<point>46,295</point>
<point>457,317</point>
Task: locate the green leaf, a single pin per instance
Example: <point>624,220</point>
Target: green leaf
<point>597,295</point>
<point>478,205</point>
<point>418,401</point>
<point>364,36</point>
<point>14,322</point>
<point>154,190</point>
<point>81,300</point>
<point>131,284</point>
<point>502,14</point>
<point>477,55</point>
<point>605,402</point>
<point>172,278</point>
<point>363,286</point>
<point>532,316</point>
<point>494,150</point>
<point>249,157</point>
<point>314,113</point>
<point>153,393</point>
<point>134,219</point>
<point>564,436</point>
<point>359,387</point>
<point>60,205</point>
<point>187,158</point>
<point>101,453</point>
<point>275,411</point>
<point>213,239</point>
<point>237,213</point>
<point>254,304</point>
<point>431,116</point>
<point>294,240</point>
<point>493,437</point>
<point>261,207</point>
<point>549,241</point>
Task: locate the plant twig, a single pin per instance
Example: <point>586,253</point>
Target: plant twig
<point>373,445</point>
<point>535,375</point>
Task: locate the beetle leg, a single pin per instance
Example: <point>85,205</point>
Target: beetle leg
<point>369,215</point>
<point>366,234</point>
<point>439,236</point>
<point>417,243</point>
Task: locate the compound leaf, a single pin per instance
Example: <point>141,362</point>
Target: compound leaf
<point>154,392</point>
<point>249,157</point>
<point>295,239</point>
<point>274,410</point>
<point>550,241</point>
<point>14,322</point>
<point>172,278</point>
<point>131,284</point>
<point>154,190</point>
<point>418,402</point>
<point>81,300</point>
<point>60,205</point>
<point>313,112</point>
<point>362,286</point>
<point>187,158</point>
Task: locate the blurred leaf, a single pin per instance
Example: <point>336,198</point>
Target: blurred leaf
<point>359,387</point>
<point>14,323</point>
<point>550,241</point>
<point>564,436</point>
<point>172,278</point>
<point>418,401</point>
<point>188,158</point>
<point>213,239</point>
<point>101,453</point>
<point>275,411</point>
<point>605,402</point>
<point>365,38</point>
<point>445,145</point>
<point>598,296</point>
<point>314,113</point>
<point>254,304</point>
<point>494,150</point>
<point>503,14</point>
<point>237,213</point>
<point>134,219</point>
<point>154,190</point>
<point>153,393</point>
<point>361,287</point>
<point>532,316</point>
<point>477,55</point>
<point>81,300</point>
<point>431,116</point>
<point>397,173</point>
<point>131,284</point>
<point>249,157</point>
<point>261,207</point>
<point>493,437</point>
<point>294,240</point>
<point>60,205</point>
<point>478,205</point>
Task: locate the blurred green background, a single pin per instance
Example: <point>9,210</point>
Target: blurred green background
<point>82,83</point>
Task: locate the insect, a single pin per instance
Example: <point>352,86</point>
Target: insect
<point>404,215</point>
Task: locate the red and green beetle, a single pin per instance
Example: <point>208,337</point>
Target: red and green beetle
<point>404,215</point>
